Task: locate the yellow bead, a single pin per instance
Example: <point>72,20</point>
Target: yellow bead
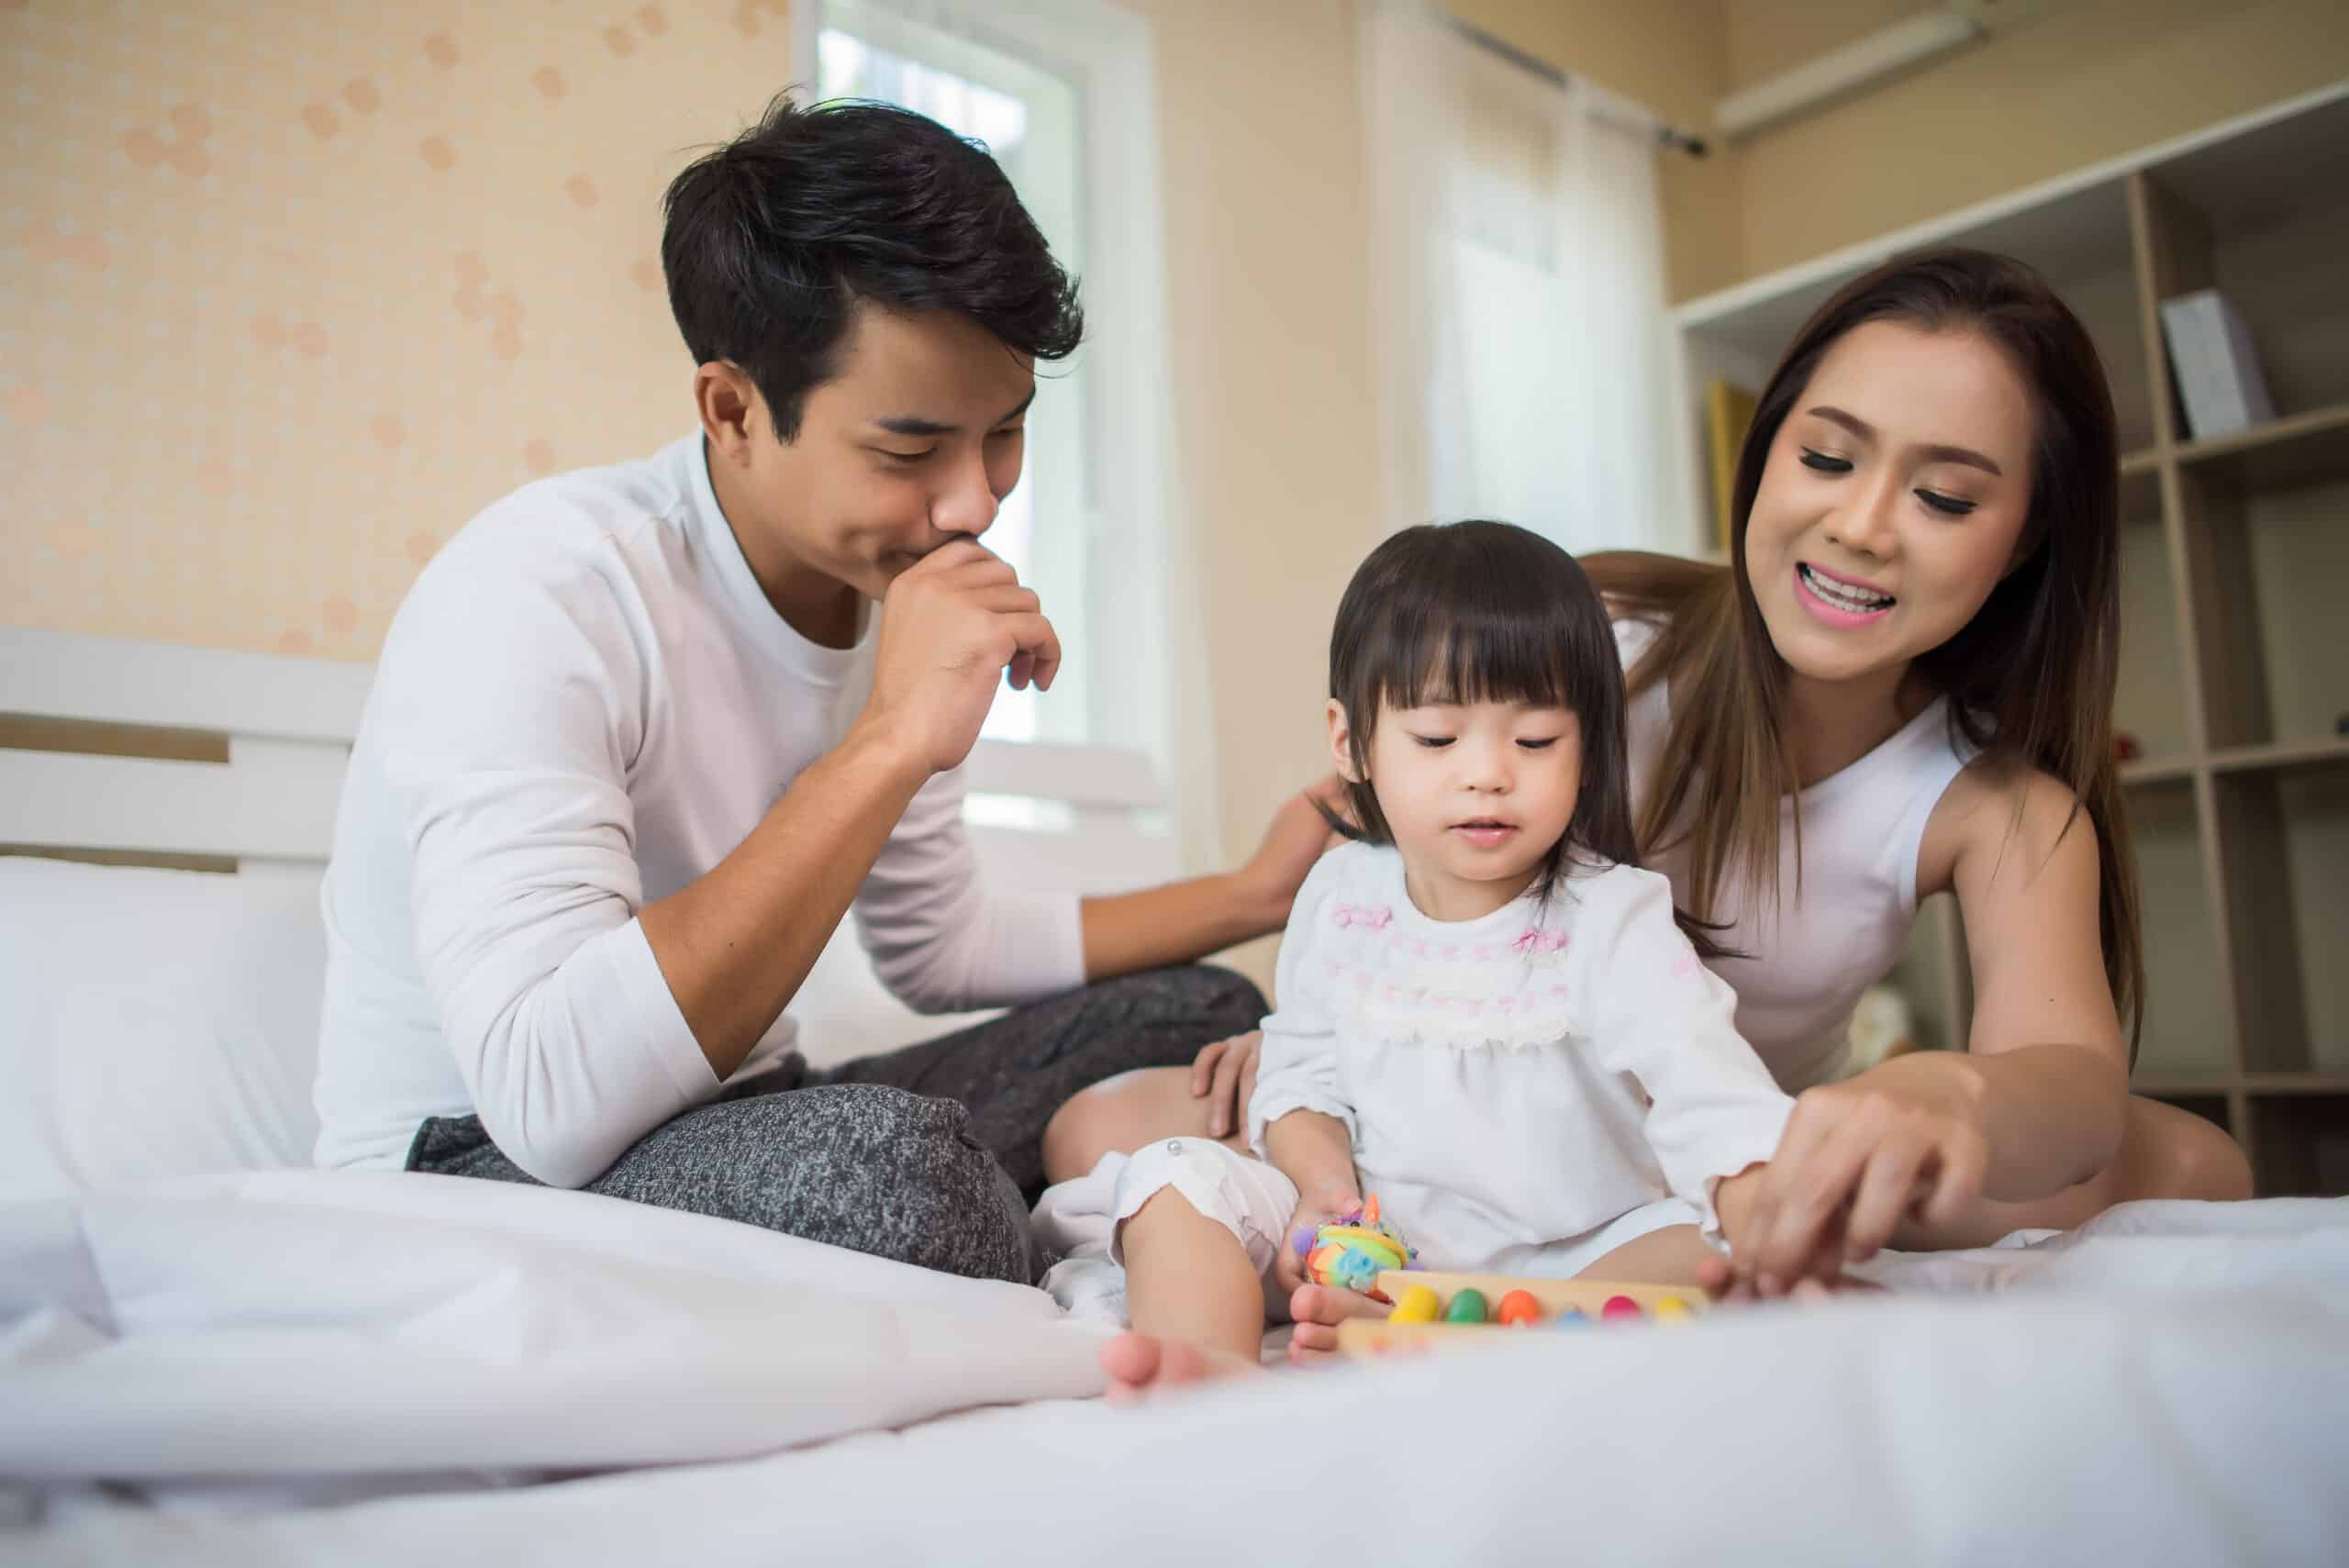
<point>1671,1309</point>
<point>1419,1305</point>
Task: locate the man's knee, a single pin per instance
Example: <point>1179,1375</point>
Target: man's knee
<point>929,1193</point>
<point>877,1170</point>
<point>1214,1001</point>
<point>1226,1001</point>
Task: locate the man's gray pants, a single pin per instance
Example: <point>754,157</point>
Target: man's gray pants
<point>931,1154</point>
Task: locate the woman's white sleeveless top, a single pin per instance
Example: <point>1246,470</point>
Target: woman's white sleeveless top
<point>1838,930</point>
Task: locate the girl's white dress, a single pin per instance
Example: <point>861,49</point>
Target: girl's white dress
<point>1525,1091</point>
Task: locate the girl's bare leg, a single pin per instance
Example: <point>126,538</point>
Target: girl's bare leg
<point>1119,1115</point>
<point>1196,1304</point>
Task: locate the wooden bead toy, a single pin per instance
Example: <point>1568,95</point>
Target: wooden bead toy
<point>1417,1305</point>
<point>1435,1310</point>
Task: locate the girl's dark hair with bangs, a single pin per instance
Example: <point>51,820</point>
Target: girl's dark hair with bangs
<point>1482,611</point>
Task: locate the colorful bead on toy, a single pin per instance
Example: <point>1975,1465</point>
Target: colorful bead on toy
<point>1352,1254</point>
<point>1571,1317</point>
<point>1672,1309</point>
<point>1419,1305</point>
<point>1467,1306</point>
<point>1620,1307</point>
<point>1518,1309</point>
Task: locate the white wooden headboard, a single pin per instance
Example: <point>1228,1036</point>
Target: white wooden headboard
<point>243,756</point>
<point>228,760</point>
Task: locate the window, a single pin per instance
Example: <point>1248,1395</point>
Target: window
<point>1518,286</point>
<point>1064,93</point>
<point>1030,118</point>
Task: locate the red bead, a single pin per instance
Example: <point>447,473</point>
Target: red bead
<point>1620,1307</point>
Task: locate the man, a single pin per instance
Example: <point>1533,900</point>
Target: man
<point>637,743</point>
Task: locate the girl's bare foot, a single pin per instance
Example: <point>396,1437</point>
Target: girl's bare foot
<point>1139,1365</point>
<point>1318,1309</point>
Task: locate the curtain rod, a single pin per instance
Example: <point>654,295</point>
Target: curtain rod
<point>1670,135</point>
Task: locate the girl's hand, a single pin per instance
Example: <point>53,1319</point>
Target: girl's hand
<point>1224,1075</point>
<point>1857,1157</point>
<point>1313,1211</point>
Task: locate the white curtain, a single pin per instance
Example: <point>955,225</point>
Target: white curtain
<point>1523,353</point>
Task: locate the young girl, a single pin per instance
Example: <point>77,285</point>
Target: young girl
<point>1487,1016</point>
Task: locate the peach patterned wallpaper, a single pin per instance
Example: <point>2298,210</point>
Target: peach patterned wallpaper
<point>289,289</point>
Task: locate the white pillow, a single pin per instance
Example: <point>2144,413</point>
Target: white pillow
<point>154,1023</point>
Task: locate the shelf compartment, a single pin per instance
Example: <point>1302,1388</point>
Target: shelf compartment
<point>2300,1145</point>
<point>2313,849</point>
<point>2281,756</point>
<point>2260,217</point>
<point>2226,650</point>
<point>2297,558</point>
<point>2288,454</point>
<point>2253,868</point>
<point>2154,772</point>
<point>2186,1030</point>
<point>2334,1081</point>
<point>2150,701</point>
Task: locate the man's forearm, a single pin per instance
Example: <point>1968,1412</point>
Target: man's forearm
<point>1178,923</point>
<point>735,945</point>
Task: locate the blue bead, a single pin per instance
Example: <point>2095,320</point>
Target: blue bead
<point>1570,1317</point>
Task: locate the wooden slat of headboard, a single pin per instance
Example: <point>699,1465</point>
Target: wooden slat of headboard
<point>272,800</point>
<point>53,674</point>
<point>1081,777</point>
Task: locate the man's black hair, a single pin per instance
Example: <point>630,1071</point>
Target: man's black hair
<point>769,242</point>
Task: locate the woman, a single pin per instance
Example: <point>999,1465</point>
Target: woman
<point>1901,685</point>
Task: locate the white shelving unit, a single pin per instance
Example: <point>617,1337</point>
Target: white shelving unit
<point>2234,674</point>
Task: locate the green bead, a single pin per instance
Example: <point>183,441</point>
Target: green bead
<point>1467,1306</point>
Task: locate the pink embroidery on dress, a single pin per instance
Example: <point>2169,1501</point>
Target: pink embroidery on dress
<point>1369,917</point>
<point>1537,941</point>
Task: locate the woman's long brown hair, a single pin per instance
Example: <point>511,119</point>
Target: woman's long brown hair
<point>2030,675</point>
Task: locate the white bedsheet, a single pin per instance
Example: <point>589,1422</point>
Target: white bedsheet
<point>2171,1386</point>
<point>366,1325</point>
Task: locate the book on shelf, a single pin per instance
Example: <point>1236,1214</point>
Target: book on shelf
<point>2217,369</point>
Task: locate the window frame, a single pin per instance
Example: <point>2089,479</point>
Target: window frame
<point>1137,562</point>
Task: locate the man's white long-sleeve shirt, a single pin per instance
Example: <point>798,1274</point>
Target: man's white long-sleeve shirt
<point>585,704</point>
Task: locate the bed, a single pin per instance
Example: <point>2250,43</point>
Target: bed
<point>210,1353</point>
